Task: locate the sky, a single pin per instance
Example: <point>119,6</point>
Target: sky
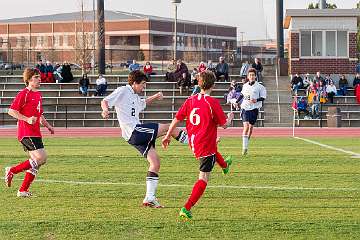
<point>256,18</point>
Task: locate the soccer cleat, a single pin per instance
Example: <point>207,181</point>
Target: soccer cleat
<point>228,160</point>
<point>8,176</point>
<point>184,214</point>
<point>24,194</point>
<point>152,204</point>
<point>244,151</point>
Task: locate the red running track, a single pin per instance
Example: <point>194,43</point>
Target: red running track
<point>230,132</point>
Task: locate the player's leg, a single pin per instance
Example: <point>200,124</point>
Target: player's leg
<point>178,134</point>
<point>246,131</point>
<point>152,179</point>
<point>206,166</point>
<point>223,163</point>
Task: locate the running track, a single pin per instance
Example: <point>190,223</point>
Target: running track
<point>230,132</point>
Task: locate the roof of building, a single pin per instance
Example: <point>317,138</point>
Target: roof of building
<point>290,13</point>
<point>88,16</point>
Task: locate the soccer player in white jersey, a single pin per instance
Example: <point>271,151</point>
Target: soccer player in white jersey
<point>128,105</point>
<point>253,95</point>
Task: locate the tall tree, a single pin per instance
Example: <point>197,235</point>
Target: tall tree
<point>316,6</point>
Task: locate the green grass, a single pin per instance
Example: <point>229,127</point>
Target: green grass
<point>329,209</point>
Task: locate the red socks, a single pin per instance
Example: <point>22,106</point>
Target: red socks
<point>220,160</point>
<point>28,179</point>
<point>21,167</point>
<point>196,193</point>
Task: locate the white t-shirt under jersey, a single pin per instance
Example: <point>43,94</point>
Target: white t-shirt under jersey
<point>128,105</point>
<point>254,91</point>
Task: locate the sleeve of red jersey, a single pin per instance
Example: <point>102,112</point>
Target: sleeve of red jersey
<point>218,113</point>
<point>18,102</point>
<point>182,113</point>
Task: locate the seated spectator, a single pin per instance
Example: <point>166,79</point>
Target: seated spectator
<point>49,70</point>
<point>357,92</point>
<point>328,79</point>
<point>306,81</point>
<point>302,106</point>
<point>318,78</point>
<point>315,103</point>
<point>182,76</point>
<point>134,66</point>
<point>148,70</point>
<point>84,85</point>
<point>171,68</point>
<point>66,73</point>
<point>296,83</point>
<point>259,68</point>
<point>42,69</point>
<point>357,70</point>
<point>101,86</point>
<point>356,79</point>
<point>194,75</point>
<point>343,85</point>
<point>244,69</point>
<point>211,66</point>
<point>222,69</point>
<point>322,93</point>
<point>331,91</point>
<point>202,67</point>
<point>233,94</point>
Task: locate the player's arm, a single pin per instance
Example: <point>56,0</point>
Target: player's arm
<point>157,96</point>
<point>230,117</point>
<point>15,114</point>
<point>105,109</point>
<point>167,138</point>
<point>46,124</point>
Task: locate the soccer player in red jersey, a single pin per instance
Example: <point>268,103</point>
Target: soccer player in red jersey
<point>27,109</point>
<point>203,114</point>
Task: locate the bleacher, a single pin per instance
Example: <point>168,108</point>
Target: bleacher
<point>350,111</point>
<point>65,107</point>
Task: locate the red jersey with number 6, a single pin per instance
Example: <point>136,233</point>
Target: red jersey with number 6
<point>203,114</point>
<point>29,104</point>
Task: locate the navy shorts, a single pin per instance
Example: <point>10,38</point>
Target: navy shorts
<point>144,136</point>
<point>250,116</point>
<point>32,143</point>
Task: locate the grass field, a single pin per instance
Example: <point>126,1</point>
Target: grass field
<point>284,189</point>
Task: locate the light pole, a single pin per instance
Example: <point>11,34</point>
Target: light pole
<point>176,3</point>
<point>241,46</point>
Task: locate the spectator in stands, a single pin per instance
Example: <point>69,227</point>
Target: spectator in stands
<point>259,68</point>
<point>357,92</point>
<point>315,103</point>
<point>311,91</point>
<point>171,68</point>
<point>202,67</point>
<point>296,83</point>
<point>66,73</point>
<point>302,106</point>
<point>182,76</point>
<point>49,70</point>
<point>331,91</point>
<point>328,79</point>
<point>356,80</point>
<point>194,75</point>
<point>134,66</point>
<point>101,86</point>
<point>233,94</point>
<point>211,66</point>
<point>42,69</point>
<point>357,70</point>
<point>222,69</point>
<point>321,92</point>
<point>84,85</point>
<point>343,85</point>
<point>318,78</point>
<point>306,80</point>
<point>57,73</point>
<point>244,69</point>
<point>148,70</point>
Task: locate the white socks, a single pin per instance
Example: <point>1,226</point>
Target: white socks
<point>151,187</point>
<point>245,142</point>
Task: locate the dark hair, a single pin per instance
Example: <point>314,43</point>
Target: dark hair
<point>136,76</point>
<point>206,80</point>
<point>253,70</point>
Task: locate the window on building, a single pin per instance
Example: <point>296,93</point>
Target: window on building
<point>39,41</point>
<point>1,42</point>
<point>65,40</point>
<point>57,41</point>
<point>330,43</point>
<point>306,43</point>
<point>342,45</point>
<point>317,43</point>
<point>323,44</point>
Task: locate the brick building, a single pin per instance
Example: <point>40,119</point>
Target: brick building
<point>62,36</point>
<point>322,40</point>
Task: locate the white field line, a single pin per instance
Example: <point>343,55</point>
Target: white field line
<point>354,154</point>
<point>210,186</point>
